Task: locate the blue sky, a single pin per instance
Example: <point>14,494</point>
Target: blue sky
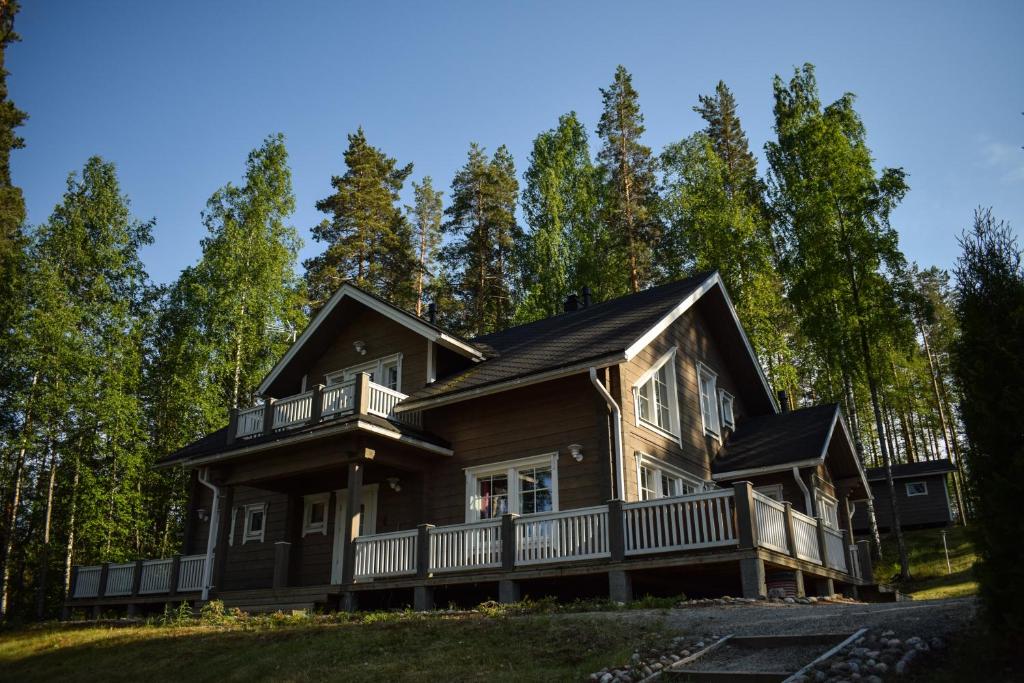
<point>176,94</point>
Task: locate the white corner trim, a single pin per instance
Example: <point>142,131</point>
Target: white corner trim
<point>399,316</point>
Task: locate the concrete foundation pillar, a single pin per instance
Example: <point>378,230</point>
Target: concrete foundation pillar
<point>798,579</point>
<point>423,598</point>
<point>620,586</point>
<point>508,591</point>
<point>850,591</point>
<point>752,577</point>
<point>349,601</point>
<point>133,610</point>
<point>824,587</point>
<point>97,611</point>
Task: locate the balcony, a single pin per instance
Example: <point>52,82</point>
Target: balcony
<point>356,396</point>
<point>139,580</point>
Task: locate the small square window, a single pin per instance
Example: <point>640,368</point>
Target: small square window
<point>314,515</point>
<point>255,523</point>
<point>726,402</point>
<point>917,488</point>
<point>706,380</point>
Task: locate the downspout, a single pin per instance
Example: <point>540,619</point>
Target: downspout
<point>211,537</point>
<point>620,487</point>
<point>807,494</point>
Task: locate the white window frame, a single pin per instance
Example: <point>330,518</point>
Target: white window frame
<point>375,367</point>
<point>663,470</point>
<point>672,431</point>
<point>825,504</point>
<point>773,491</point>
<point>712,424</point>
<point>511,469</point>
<point>248,534</point>
<point>923,484</point>
<point>727,417</point>
<point>231,531</point>
<point>308,525</point>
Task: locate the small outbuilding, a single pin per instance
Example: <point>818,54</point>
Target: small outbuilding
<point>922,496</point>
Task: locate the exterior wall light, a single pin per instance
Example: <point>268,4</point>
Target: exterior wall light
<point>393,483</point>
<point>203,515</point>
<point>360,347</point>
<point>576,451</point>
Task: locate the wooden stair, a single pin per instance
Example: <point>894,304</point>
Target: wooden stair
<point>263,600</point>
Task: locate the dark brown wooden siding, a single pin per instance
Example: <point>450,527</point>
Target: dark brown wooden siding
<point>915,511</point>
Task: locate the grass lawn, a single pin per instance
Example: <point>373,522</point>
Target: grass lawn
<point>469,647</point>
<point>931,579</point>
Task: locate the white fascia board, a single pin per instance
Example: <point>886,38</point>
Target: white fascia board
<point>507,385</point>
<point>673,315</point>
<point>401,317</point>
<point>785,467</point>
<point>853,449</point>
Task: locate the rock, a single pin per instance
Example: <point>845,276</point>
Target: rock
<point>820,676</point>
<point>901,667</point>
<point>894,643</point>
<point>789,601</point>
<point>881,668</point>
<point>607,678</point>
<point>874,679</point>
<point>647,671</point>
<point>888,634</point>
<point>913,642</point>
<point>684,653</point>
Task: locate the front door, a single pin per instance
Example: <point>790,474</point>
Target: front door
<point>367,524</point>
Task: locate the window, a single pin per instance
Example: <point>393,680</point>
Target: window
<point>917,488</point>
<point>523,487</point>
<point>655,397</point>
<point>314,514</point>
<point>658,479</point>
<point>773,491</point>
<point>386,371</point>
<point>255,523</point>
<point>231,531</point>
<point>725,401</point>
<point>828,509</point>
<point>706,380</point>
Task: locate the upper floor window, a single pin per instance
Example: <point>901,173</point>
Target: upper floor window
<point>659,479</point>
<point>386,371</point>
<point>521,487</point>
<point>828,509</point>
<point>917,488</point>
<point>655,396</point>
<point>314,514</point>
<point>726,402</point>
<point>706,381</point>
<point>255,523</point>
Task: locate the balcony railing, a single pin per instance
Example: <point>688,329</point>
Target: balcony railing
<point>144,577</point>
<point>319,404</point>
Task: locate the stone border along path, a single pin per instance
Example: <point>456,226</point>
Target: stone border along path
<point>923,625</point>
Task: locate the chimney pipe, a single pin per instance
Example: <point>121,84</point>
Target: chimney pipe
<point>572,303</point>
<point>784,400</point>
<point>586,296</point>
<point>432,313</point>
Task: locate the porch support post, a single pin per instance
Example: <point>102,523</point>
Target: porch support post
<point>790,531</point>
<point>423,550</point>
<point>104,572</point>
<point>798,580</point>
<point>423,598</point>
<point>752,577</point>
<point>822,547</point>
<point>508,591</point>
<point>616,531</point>
<point>867,572</point>
<point>508,541</point>
<point>824,587</point>
<point>317,406</point>
<point>362,394</point>
<point>172,576</point>
<point>282,562</point>
<point>845,518</point>
<point>137,578</point>
<point>353,505</point>
<point>620,586</point>
<point>349,601</point>
<point>745,521</point>
<point>73,583</point>
<point>220,553</point>
<point>268,415</point>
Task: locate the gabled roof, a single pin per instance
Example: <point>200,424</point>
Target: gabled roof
<point>602,334</point>
<point>913,469</point>
<point>321,324</point>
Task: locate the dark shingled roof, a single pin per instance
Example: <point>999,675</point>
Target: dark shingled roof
<point>775,440</point>
<point>912,469</point>
<point>216,442</point>
<point>566,339</point>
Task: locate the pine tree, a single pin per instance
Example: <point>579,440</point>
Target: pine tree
<point>730,144</point>
<point>566,246</point>
<point>989,366</point>
<point>368,237</point>
<point>426,216</point>
<point>479,259</point>
<point>630,189</point>
<point>12,204</point>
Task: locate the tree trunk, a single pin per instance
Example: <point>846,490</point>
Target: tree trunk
<point>12,517</point>
<point>942,421</point>
<point>44,560</point>
<point>73,503</point>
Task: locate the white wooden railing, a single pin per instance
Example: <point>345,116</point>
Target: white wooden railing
<point>293,410</point>
<point>383,400</point>
<point>190,573</point>
<point>805,533</point>
<point>156,577</point>
<point>853,562</point>
<point>338,398</point>
<point>465,546</point>
<point>770,516</point>
<point>380,555</point>
<point>87,582</point>
<point>558,536</point>
<point>699,520</point>
<point>119,579</point>
<point>250,421</point>
<point>835,549</point>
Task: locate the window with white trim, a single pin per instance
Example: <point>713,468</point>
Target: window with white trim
<point>658,479</point>
<point>654,396</point>
<point>917,488</point>
<point>255,523</point>
<point>523,487</point>
<point>828,509</point>
<point>231,531</point>
<point>706,381</point>
<point>386,371</point>
<point>726,402</point>
<point>314,514</point>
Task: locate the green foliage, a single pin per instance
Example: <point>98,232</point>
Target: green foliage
<point>988,361</point>
<point>12,204</point>
<point>369,240</point>
<point>426,217</point>
<point>479,259</point>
